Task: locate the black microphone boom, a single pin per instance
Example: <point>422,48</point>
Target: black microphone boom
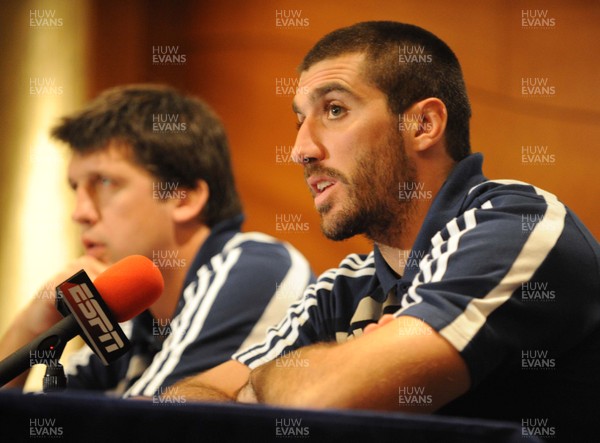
<point>45,349</point>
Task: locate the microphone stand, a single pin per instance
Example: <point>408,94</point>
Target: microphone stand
<point>55,379</point>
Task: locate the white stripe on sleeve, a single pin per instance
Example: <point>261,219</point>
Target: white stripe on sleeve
<point>289,291</point>
<point>537,247</point>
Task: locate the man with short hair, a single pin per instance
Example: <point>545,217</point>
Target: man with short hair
<point>440,316</point>
<point>151,175</point>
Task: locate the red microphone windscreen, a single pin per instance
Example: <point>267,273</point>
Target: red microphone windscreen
<point>130,286</point>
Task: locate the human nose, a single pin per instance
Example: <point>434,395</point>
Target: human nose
<point>308,147</point>
<point>85,211</point>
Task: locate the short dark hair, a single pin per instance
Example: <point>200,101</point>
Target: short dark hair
<point>435,72</point>
<point>193,146</point>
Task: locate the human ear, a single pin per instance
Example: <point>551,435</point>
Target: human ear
<point>191,202</point>
<point>425,123</point>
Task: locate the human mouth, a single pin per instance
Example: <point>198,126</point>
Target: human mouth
<point>320,188</point>
<point>93,248</point>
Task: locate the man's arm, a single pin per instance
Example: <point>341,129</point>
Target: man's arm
<point>219,384</point>
<point>403,365</point>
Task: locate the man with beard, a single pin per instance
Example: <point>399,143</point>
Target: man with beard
<point>480,298</point>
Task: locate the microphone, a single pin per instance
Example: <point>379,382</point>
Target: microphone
<point>128,288</point>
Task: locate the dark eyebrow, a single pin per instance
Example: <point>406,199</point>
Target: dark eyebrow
<point>327,88</point>
<point>321,91</point>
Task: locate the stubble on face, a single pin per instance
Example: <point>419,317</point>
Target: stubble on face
<point>372,206</point>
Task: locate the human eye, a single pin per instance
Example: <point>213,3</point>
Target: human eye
<point>334,111</point>
<point>101,181</point>
<point>299,120</point>
<point>105,181</point>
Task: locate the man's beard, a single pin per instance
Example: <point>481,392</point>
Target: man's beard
<point>373,206</point>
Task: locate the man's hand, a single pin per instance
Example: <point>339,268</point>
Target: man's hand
<point>41,314</point>
<point>221,383</point>
<point>384,320</point>
<point>247,394</point>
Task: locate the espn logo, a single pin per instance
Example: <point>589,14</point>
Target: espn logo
<point>101,330</point>
<point>91,309</point>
